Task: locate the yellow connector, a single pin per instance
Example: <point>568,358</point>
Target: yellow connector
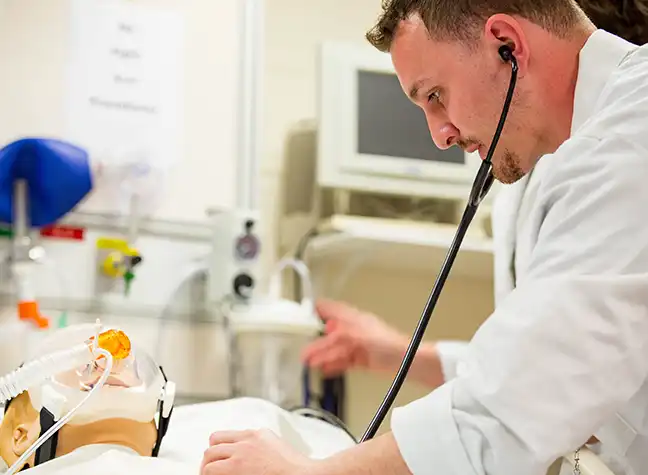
<point>117,262</point>
<point>113,244</point>
<point>115,265</point>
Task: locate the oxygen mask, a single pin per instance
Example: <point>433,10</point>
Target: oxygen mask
<point>131,390</point>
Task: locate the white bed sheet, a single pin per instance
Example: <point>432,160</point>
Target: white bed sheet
<point>191,426</point>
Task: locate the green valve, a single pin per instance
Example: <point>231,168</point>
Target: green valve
<point>6,232</point>
<point>128,278</point>
<point>62,320</point>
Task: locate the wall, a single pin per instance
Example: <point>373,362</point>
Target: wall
<point>34,52</point>
<point>35,42</point>
<point>293,30</point>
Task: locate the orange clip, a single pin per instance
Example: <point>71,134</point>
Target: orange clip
<point>28,311</point>
<point>114,342</point>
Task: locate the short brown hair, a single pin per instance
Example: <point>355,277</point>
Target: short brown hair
<point>462,19</point>
<point>627,19</point>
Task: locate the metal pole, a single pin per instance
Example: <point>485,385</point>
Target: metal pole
<point>250,113</point>
<point>20,220</point>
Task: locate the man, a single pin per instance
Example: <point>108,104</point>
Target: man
<point>357,339</point>
<point>565,354</point>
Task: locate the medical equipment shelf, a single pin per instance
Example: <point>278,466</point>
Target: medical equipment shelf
<point>400,244</point>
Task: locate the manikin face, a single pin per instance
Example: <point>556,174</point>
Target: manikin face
<point>462,90</point>
<point>20,428</point>
<point>122,413</point>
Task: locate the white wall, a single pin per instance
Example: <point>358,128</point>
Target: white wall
<point>35,51</point>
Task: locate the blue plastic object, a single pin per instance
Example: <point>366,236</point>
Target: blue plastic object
<point>57,173</point>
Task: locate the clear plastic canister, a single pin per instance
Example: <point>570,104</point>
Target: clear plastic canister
<point>267,339</point>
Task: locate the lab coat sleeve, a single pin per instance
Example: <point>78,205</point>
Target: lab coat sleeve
<point>450,354</point>
<point>568,347</point>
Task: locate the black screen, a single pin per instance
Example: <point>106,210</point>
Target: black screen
<point>390,124</point>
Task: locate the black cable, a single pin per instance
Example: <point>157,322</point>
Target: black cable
<point>334,387</point>
<point>298,293</point>
<point>325,416</point>
<point>481,186</point>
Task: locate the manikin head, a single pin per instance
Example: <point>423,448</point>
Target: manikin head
<point>21,427</point>
<point>445,53</point>
<point>127,410</point>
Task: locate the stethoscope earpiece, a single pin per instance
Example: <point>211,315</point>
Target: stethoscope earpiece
<point>506,52</point>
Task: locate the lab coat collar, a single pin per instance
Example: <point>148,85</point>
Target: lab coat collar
<point>598,59</point>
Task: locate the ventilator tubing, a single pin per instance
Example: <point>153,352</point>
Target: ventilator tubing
<point>37,371</point>
<point>113,342</point>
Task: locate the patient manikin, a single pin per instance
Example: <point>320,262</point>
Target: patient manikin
<point>123,422</point>
<point>117,430</point>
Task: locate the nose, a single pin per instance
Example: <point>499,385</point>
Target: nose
<point>444,134</point>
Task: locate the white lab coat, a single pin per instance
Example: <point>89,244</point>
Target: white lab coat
<point>565,354</point>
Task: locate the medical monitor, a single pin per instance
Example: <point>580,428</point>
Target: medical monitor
<point>372,138</point>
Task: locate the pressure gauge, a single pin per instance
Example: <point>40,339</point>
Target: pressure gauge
<point>248,245</point>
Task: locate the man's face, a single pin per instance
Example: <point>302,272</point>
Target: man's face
<point>462,92</point>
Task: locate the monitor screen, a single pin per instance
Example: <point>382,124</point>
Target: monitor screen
<point>389,124</point>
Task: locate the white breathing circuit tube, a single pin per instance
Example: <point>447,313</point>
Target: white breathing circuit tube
<point>38,371</point>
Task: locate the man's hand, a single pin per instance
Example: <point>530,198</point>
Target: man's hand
<point>356,339</point>
<point>252,453</point>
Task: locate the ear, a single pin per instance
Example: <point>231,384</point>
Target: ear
<point>504,29</point>
<point>24,435</point>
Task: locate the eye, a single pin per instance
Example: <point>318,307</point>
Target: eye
<point>434,96</point>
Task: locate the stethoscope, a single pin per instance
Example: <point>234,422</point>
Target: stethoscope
<point>481,186</point>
